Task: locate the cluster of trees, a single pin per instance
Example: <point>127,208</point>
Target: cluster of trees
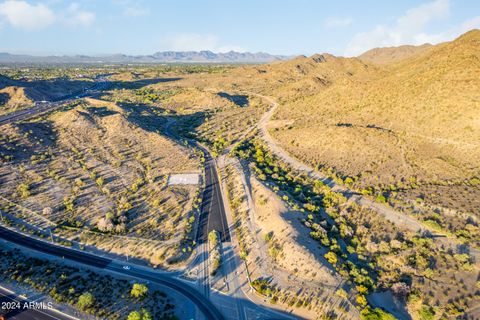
<point>143,314</point>
<point>218,145</point>
<point>148,95</point>
<point>357,240</point>
<point>263,287</point>
<point>85,301</point>
<point>80,288</point>
<point>312,196</point>
<point>139,291</point>
<point>112,223</point>
<point>274,248</point>
<point>215,255</point>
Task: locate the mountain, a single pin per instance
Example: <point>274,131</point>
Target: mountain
<point>392,54</point>
<point>383,124</point>
<point>158,57</point>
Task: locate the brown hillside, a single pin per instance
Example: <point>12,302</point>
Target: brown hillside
<point>417,118</point>
<point>112,171</point>
<point>13,98</point>
<point>392,54</point>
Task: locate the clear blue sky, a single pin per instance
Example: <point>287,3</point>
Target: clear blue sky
<point>274,26</point>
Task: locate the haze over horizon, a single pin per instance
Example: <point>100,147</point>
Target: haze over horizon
<point>139,27</point>
<point>328,167</point>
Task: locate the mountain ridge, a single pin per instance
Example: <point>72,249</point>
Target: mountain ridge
<point>385,55</point>
<point>204,56</point>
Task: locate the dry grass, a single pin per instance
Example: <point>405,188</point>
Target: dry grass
<point>416,118</point>
<point>297,252</point>
<point>13,98</point>
<point>392,54</point>
<point>97,169</point>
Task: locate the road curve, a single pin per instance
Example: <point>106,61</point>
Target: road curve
<point>214,210</point>
<point>204,305</point>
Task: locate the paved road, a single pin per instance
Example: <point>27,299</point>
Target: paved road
<point>45,106</point>
<point>30,112</point>
<point>212,210</point>
<point>212,216</point>
<point>205,306</point>
<point>13,307</point>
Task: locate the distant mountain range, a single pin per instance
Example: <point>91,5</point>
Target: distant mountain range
<point>158,57</point>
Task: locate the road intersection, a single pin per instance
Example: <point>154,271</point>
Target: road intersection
<point>212,305</point>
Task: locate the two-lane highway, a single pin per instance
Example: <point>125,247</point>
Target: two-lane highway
<point>204,305</point>
<point>212,213</point>
<point>46,106</point>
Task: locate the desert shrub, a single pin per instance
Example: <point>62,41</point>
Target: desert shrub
<point>139,290</point>
<point>426,313</point>
<point>375,314</point>
<point>85,301</point>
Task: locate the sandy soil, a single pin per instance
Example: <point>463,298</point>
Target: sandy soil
<point>300,254</point>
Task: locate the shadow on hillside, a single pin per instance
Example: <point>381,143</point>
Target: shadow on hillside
<point>144,116</point>
<point>101,111</point>
<point>4,98</point>
<point>240,100</point>
<point>40,136</point>
<point>157,119</point>
<point>63,88</point>
<point>137,84</point>
<point>54,90</point>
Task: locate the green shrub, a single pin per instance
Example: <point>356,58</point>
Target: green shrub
<point>426,313</point>
<point>85,301</point>
<point>139,290</point>
<point>375,314</point>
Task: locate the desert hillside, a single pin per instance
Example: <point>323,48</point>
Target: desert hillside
<point>13,98</point>
<point>392,54</point>
<point>412,120</point>
<point>95,168</point>
<point>41,89</point>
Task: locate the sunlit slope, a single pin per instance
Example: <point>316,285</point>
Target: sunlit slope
<point>392,54</point>
<point>418,117</point>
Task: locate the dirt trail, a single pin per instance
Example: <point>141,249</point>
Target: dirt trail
<point>400,219</point>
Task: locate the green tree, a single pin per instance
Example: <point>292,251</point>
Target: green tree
<point>213,238</point>
<point>381,198</point>
<point>146,315</point>
<point>331,257</point>
<point>243,255</point>
<point>85,301</point>
<point>24,190</point>
<point>361,300</point>
<point>140,315</point>
<point>139,290</point>
<point>100,181</point>
<point>134,315</point>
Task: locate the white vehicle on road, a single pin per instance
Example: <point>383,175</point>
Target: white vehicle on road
<point>126,267</point>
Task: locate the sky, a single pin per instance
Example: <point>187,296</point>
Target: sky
<point>288,27</point>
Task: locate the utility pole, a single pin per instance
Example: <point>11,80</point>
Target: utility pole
<point>51,235</point>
